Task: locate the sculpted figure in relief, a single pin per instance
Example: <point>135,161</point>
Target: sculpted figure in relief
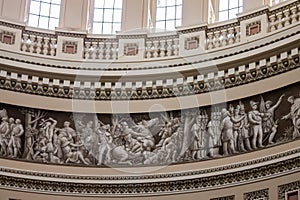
<point>227,133</point>
<point>15,144</point>
<point>197,143</point>
<point>210,139</point>
<point>255,120</point>
<point>294,115</point>
<point>269,124</point>
<point>4,135</point>
<point>237,126</point>
<point>244,139</point>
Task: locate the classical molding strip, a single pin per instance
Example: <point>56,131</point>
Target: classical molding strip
<point>290,188</point>
<point>259,194</point>
<point>231,197</point>
<point>163,88</point>
<point>66,187</point>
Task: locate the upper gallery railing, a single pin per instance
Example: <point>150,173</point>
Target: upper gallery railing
<point>143,46</point>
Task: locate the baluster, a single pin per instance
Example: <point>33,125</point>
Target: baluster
<point>224,37</point>
<point>108,51</point>
<point>272,23</point>
<point>25,42</point>
<point>46,45</point>
<point>279,20</point>
<point>238,34</point>
<point>114,50</point>
<point>148,49</point>
<point>94,50</point>
<point>53,47</point>
<point>39,44</point>
<point>87,50</point>
<point>210,44</point>
<point>217,39</point>
<point>231,35</point>
<point>155,48</point>
<point>294,14</point>
<point>101,50</point>
<point>176,46</point>
<point>169,47</point>
<point>162,48</point>
<point>286,14</point>
<point>32,44</point>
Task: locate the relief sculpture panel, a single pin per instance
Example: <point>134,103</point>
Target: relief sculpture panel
<point>143,139</point>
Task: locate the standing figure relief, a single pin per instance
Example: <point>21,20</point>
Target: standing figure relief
<point>171,137</point>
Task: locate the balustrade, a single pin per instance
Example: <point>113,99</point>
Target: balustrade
<point>282,18</point>
<point>101,50</point>
<point>166,45</point>
<point>43,45</point>
<point>223,36</point>
<point>161,47</point>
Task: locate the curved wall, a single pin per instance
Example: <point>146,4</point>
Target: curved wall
<point>167,120</point>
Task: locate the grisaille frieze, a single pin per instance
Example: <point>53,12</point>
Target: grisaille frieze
<point>156,138</point>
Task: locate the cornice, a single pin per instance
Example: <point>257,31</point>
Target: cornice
<point>210,81</point>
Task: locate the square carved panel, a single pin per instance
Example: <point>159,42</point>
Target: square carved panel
<point>253,28</point>
<point>130,49</point>
<point>69,47</point>
<point>191,43</point>
<point>7,38</point>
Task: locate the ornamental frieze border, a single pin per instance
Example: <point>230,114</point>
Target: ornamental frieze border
<point>157,188</point>
<point>192,85</point>
<point>258,194</point>
<point>287,189</point>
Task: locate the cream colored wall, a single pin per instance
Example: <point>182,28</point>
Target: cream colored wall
<point>194,12</point>
<point>73,15</point>
<point>134,15</point>
<point>13,10</point>
<point>252,4</point>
